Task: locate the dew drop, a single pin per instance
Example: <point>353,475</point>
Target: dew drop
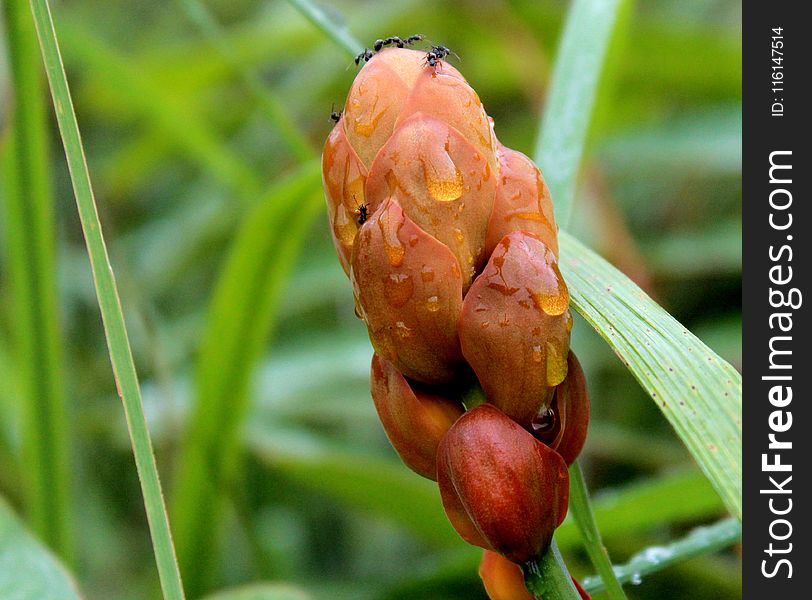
<point>537,354</point>
<point>402,330</point>
<point>544,421</point>
<point>433,304</point>
<point>398,288</point>
<point>427,274</point>
<point>556,364</point>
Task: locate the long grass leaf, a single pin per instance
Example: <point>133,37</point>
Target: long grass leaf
<point>28,571</point>
<point>697,391</point>
<point>240,320</point>
<point>31,235</point>
<point>109,304</point>
<point>574,87</point>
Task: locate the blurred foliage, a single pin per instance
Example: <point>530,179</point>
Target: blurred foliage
<point>182,149</point>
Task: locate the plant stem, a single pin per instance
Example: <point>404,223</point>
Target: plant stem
<point>109,305</point>
<point>702,540</point>
<point>30,235</point>
<point>547,577</point>
<point>581,509</point>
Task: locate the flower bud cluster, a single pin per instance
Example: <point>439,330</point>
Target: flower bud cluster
<point>449,240</point>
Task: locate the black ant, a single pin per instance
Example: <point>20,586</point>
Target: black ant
<point>335,116</point>
<point>363,213</point>
<point>396,41</point>
<point>436,54</point>
<point>364,56</point>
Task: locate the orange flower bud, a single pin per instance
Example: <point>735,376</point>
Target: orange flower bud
<point>502,489</point>
<point>522,203</point>
<point>415,419</point>
<point>503,580</point>
<point>568,415</point>
<point>515,326</point>
<point>409,292</point>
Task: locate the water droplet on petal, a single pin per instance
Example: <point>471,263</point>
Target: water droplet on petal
<point>427,274</point>
<point>556,364</point>
<point>402,330</point>
<point>544,421</point>
<point>398,288</point>
<point>433,304</point>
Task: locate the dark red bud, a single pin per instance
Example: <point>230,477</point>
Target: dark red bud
<point>502,489</point>
<point>415,420</point>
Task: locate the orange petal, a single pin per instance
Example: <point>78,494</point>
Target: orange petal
<point>522,203</point>
<point>503,580</point>
<point>343,177</point>
<point>448,98</point>
<point>376,98</point>
<point>443,183</point>
<point>409,292</point>
<point>415,419</point>
<point>514,327</point>
<point>513,488</point>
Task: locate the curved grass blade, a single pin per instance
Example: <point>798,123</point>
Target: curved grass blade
<point>240,321</point>
<point>28,571</point>
<point>574,88</point>
<point>110,305</point>
<point>697,391</point>
<point>337,32</point>
<point>702,540</point>
<point>30,236</point>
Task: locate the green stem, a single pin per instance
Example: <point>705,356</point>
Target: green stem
<point>581,509</point>
<point>109,305</point>
<point>30,235</point>
<point>702,540</point>
<point>547,577</point>
<point>338,33</point>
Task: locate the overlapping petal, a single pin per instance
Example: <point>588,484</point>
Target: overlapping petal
<point>515,326</point>
<point>415,418</point>
<point>409,291</point>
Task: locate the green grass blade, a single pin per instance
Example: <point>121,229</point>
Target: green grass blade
<point>702,540</point>
<point>572,95</point>
<point>109,304</point>
<point>339,33</point>
<point>28,571</point>
<point>31,235</point>
<point>271,105</point>
<point>581,510</point>
<point>699,393</point>
<point>240,320</point>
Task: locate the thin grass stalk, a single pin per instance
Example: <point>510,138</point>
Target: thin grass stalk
<point>30,236</point>
<point>110,305</point>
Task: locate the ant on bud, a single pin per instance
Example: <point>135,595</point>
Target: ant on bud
<point>396,41</point>
<point>335,115</point>
<point>363,213</point>
<point>364,56</point>
<point>437,54</point>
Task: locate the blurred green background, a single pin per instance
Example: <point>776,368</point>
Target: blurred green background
<point>180,117</point>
